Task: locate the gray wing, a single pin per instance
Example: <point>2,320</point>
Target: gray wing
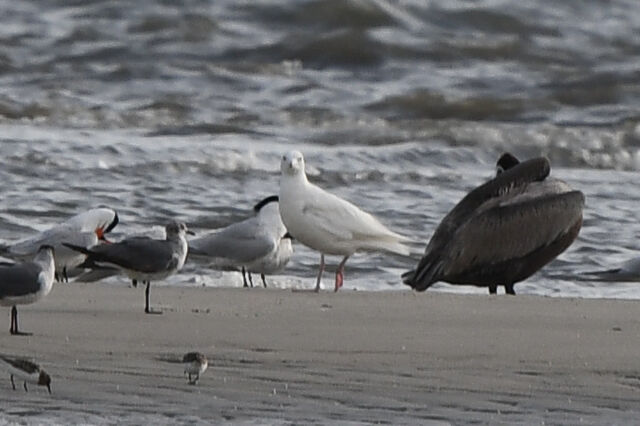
<point>511,230</point>
<point>137,254</point>
<point>242,242</point>
<point>19,279</point>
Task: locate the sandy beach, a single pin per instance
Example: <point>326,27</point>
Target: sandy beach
<point>283,357</point>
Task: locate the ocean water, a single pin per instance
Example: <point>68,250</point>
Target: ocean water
<point>163,109</point>
<point>182,110</point>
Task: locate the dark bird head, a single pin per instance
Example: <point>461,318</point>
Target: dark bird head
<point>194,356</point>
<point>506,162</point>
<point>176,228</point>
<point>44,380</point>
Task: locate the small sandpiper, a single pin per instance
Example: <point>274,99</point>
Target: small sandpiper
<point>26,370</point>
<point>195,363</point>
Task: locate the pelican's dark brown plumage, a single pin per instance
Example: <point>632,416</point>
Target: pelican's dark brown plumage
<point>503,231</point>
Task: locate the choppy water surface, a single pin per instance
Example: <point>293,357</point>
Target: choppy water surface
<point>183,109</point>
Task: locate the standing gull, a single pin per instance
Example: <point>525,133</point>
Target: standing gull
<point>84,229</point>
<point>26,370</point>
<point>142,258</point>
<point>503,231</point>
<point>327,223</point>
<point>259,244</point>
<point>25,283</point>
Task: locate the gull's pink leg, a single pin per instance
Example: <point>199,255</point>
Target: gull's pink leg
<point>340,273</point>
<point>317,289</point>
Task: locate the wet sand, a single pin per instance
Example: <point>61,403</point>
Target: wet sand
<point>281,357</point>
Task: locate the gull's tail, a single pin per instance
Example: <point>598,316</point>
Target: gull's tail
<point>396,247</point>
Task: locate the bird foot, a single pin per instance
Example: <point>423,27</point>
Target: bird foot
<point>20,333</point>
<point>153,312</point>
<point>339,281</point>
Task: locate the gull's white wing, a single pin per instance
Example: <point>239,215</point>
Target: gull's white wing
<point>342,219</point>
<point>343,222</point>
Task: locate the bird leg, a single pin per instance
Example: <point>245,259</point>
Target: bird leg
<point>244,278</point>
<point>264,282</point>
<point>250,279</point>
<point>148,310</point>
<point>65,277</point>
<point>25,386</point>
<point>14,323</point>
<point>493,289</point>
<point>134,283</point>
<point>13,384</point>
<point>340,273</point>
<point>508,288</point>
<point>320,271</point>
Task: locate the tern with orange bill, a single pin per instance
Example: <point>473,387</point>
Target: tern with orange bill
<point>85,229</point>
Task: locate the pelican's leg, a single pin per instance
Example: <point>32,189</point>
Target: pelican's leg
<point>147,309</point>
<point>264,282</point>
<point>340,273</point>
<point>65,277</point>
<point>493,289</point>
<point>134,283</point>
<point>250,279</point>
<point>14,323</point>
<point>13,384</point>
<point>25,386</point>
<point>244,278</point>
<point>508,288</point>
<point>320,271</point>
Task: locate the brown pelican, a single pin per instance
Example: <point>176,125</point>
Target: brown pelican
<point>503,231</point>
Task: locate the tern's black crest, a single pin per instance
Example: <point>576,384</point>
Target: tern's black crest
<point>261,204</point>
<point>113,223</point>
